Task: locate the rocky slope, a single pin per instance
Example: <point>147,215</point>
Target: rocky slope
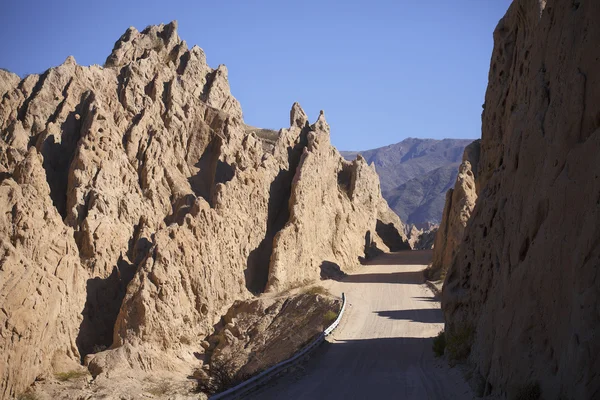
<point>525,278</point>
<point>415,174</point>
<point>137,207</point>
<point>258,333</point>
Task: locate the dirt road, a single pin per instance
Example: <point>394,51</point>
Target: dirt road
<point>382,348</point>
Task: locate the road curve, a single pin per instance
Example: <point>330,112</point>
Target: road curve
<point>383,347</point>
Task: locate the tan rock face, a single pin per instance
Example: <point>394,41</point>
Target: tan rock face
<point>460,202</point>
<point>8,81</point>
<point>525,277</point>
<point>334,206</point>
<point>135,194</point>
<point>42,282</point>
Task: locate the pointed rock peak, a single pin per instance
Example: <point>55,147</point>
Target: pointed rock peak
<point>172,26</point>
<point>8,81</point>
<point>322,116</point>
<point>70,61</point>
<point>465,167</point>
<point>198,54</point>
<point>321,124</point>
<point>133,45</point>
<point>298,116</point>
<point>222,70</point>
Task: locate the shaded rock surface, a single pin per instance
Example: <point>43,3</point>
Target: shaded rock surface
<point>525,277</point>
<point>137,206</point>
<point>258,333</point>
<point>415,174</point>
<point>422,239</point>
<point>460,202</point>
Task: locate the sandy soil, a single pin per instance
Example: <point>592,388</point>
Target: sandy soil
<point>383,347</point>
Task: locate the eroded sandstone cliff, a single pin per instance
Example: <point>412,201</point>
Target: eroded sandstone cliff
<point>137,207</point>
<point>525,277</point>
<point>460,202</point>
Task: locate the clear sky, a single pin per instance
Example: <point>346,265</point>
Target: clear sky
<point>383,70</point>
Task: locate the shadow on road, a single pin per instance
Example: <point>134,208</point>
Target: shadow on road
<point>406,257</point>
<point>424,315</point>
<point>427,298</point>
<point>411,277</point>
<point>361,369</point>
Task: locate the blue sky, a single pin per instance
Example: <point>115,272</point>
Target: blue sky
<point>382,70</point>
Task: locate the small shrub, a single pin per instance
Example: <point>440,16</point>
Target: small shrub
<point>294,286</point>
<point>221,376</point>
<point>98,348</point>
<point>530,391</point>
<point>160,389</point>
<point>442,274</point>
<point>315,290</point>
<point>439,344</point>
<point>435,274</point>
<point>458,344</point>
<point>27,396</point>
<point>329,317</point>
<point>67,376</point>
<point>185,340</point>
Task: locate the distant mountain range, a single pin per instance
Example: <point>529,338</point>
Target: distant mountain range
<point>415,175</point>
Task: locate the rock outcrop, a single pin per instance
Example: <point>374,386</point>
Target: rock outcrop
<point>460,202</point>
<point>525,277</point>
<point>8,81</point>
<point>422,239</point>
<point>137,207</point>
<point>258,333</point>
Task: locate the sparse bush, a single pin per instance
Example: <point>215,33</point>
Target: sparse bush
<point>458,344</point>
<point>98,348</point>
<point>294,286</point>
<point>221,376</point>
<point>442,274</point>
<point>530,391</point>
<point>315,290</point>
<point>67,376</point>
<point>185,340</point>
<point>28,395</point>
<point>439,344</point>
<point>160,389</point>
<point>329,317</point>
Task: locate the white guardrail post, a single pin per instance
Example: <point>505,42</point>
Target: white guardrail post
<point>269,373</point>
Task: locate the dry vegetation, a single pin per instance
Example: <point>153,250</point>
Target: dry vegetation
<point>70,375</point>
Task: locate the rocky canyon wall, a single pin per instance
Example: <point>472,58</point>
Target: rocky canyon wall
<point>137,208</point>
<point>524,280</point>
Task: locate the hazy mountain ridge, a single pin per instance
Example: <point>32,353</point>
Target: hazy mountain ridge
<point>415,175</point>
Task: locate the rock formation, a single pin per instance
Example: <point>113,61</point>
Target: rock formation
<point>415,175</point>
<point>258,333</point>
<point>422,239</point>
<point>460,202</point>
<point>8,81</point>
<point>525,277</point>
<point>137,207</point>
